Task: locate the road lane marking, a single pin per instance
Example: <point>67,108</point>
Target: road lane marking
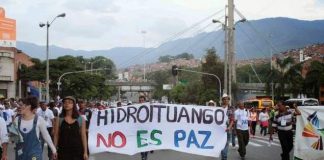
<point>267,142</point>
<point>254,144</point>
<point>267,138</point>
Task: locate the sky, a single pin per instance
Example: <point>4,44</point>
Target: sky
<point>105,24</point>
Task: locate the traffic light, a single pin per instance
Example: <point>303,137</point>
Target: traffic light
<point>174,70</point>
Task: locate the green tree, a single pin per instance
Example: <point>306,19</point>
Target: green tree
<point>166,58</point>
<point>294,80</point>
<point>160,78</point>
<point>280,75</point>
<point>197,88</point>
<point>103,62</point>
<point>314,79</point>
<point>213,65</point>
<point>178,94</point>
<point>185,55</point>
<point>35,72</point>
<point>83,85</point>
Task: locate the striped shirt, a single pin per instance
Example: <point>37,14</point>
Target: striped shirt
<point>283,121</point>
<point>230,114</point>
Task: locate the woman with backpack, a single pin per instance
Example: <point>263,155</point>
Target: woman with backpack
<point>70,132</point>
<point>29,127</point>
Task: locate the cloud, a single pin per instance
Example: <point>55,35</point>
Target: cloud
<point>305,9</point>
<point>101,6</point>
<point>197,5</point>
<point>167,26</point>
<point>104,24</point>
<point>87,25</point>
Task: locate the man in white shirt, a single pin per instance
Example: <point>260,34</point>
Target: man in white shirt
<point>241,117</point>
<point>3,139</point>
<point>48,116</point>
<point>7,113</point>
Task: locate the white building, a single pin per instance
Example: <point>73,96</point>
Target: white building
<point>7,73</point>
<point>120,76</point>
<point>126,76</point>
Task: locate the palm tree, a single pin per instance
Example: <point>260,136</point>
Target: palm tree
<point>280,75</point>
<point>314,78</point>
<point>295,80</point>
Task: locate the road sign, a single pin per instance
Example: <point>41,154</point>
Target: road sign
<point>167,86</point>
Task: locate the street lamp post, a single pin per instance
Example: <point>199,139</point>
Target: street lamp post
<point>271,67</point>
<point>210,74</point>
<point>224,26</point>
<point>229,55</point>
<point>48,24</point>
<point>85,64</point>
<point>91,63</point>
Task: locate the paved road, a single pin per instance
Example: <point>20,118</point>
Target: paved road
<point>257,149</point>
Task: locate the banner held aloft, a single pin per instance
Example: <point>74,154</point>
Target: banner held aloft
<point>144,127</point>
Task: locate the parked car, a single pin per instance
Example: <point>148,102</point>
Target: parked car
<point>302,102</point>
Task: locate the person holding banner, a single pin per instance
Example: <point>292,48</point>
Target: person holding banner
<point>84,112</point>
<point>142,99</point>
<point>211,103</point>
<point>70,132</point>
<point>241,117</point>
<point>282,121</point>
<point>230,114</point>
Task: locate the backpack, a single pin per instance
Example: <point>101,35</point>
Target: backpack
<point>79,121</point>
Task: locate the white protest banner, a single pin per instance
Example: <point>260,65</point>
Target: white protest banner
<point>144,127</point>
<point>310,133</point>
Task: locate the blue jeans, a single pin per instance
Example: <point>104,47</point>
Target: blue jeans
<point>225,150</point>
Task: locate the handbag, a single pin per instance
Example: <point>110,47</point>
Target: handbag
<point>14,133</point>
<point>264,123</point>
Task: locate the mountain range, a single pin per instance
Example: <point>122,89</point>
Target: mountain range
<point>253,39</point>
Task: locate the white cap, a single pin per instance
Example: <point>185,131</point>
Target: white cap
<point>225,96</point>
<point>211,101</point>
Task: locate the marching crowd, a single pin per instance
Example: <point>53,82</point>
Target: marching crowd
<point>242,124</point>
<point>64,124</point>
<point>29,124</point>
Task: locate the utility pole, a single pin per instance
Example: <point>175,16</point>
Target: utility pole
<point>231,46</point>
<point>19,82</point>
<point>225,55</point>
<point>144,70</point>
<point>47,64</point>
<point>272,93</point>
